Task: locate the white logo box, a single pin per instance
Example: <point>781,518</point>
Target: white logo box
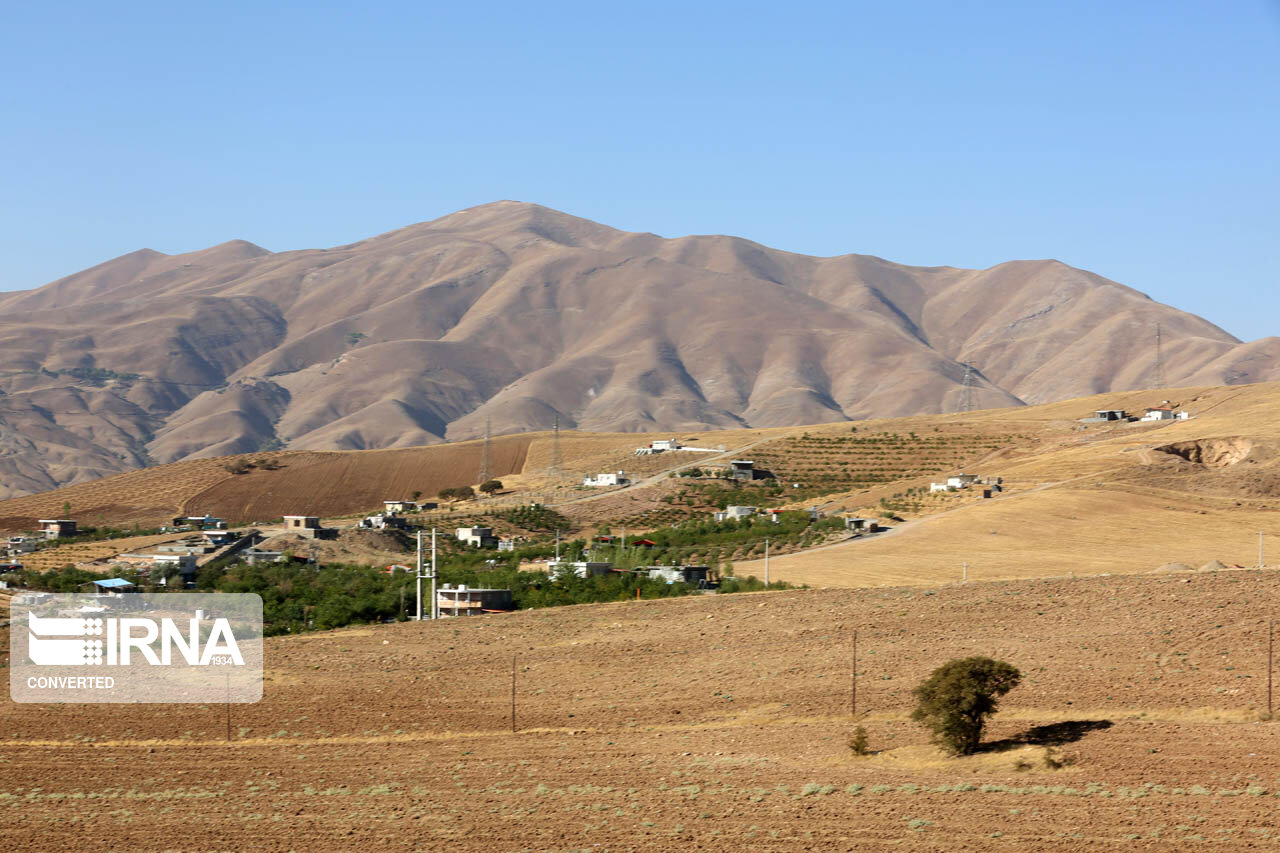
<point>168,647</point>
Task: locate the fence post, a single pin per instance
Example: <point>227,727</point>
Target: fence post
<point>853,685</point>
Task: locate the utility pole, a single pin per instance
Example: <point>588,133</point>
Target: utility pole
<point>1259,549</point>
<point>766,563</point>
<point>965,577</point>
<point>557,545</point>
<point>418,615</point>
<point>435,603</point>
<point>513,693</point>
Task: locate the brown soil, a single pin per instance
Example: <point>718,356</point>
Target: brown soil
<point>333,484</point>
<point>362,547</point>
<point>712,723</point>
<point>1211,452</point>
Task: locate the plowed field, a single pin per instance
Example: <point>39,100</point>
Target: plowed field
<point>712,723</point>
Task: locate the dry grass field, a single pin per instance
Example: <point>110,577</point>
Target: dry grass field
<point>304,482</point>
<point>78,553</point>
<point>1086,499</point>
<point>711,723</point>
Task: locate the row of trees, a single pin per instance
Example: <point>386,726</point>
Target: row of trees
<point>466,493</point>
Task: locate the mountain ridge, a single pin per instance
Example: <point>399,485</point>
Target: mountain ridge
<point>519,315</point>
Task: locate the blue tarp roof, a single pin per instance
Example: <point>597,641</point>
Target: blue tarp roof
<point>112,583</point>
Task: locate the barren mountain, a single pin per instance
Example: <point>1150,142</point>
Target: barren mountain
<point>519,315</point>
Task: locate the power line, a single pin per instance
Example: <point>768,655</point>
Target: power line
<point>485,472</point>
<point>966,389</point>
<point>554,467</point>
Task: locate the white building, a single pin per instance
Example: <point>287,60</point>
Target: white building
<point>1164,413</point>
<point>382,521</point>
<point>477,537</point>
<point>735,512</point>
<point>616,478</point>
<point>678,574</point>
<point>962,480</point>
<point>582,569</point>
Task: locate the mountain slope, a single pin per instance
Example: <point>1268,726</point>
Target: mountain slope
<point>519,315</point>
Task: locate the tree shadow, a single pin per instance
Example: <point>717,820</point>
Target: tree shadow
<point>1055,734</point>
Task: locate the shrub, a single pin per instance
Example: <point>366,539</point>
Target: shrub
<point>457,493</point>
<point>858,743</point>
<point>491,486</point>
<point>955,701</point>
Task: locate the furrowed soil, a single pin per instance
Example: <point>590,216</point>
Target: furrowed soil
<point>711,723</point>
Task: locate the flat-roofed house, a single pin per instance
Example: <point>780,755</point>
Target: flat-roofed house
<point>477,537</point>
<point>467,601</point>
<point>57,528</point>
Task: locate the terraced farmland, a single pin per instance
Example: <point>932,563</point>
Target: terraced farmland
<point>825,464</point>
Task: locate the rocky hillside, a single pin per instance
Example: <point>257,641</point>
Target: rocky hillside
<point>519,315</point>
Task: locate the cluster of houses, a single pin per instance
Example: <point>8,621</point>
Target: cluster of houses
<point>187,554</point>
<point>738,513</point>
<point>990,485</point>
<point>1166,411</point>
<point>743,470</point>
<point>700,575</point>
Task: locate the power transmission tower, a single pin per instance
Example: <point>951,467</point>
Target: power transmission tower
<point>485,472</point>
<point>966,389</point>
<point>1160,378</point>
<point>554,467</point>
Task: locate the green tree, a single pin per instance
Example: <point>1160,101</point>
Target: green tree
<point>491,486</point>
<point>955,701</point>
<point>457,493</point>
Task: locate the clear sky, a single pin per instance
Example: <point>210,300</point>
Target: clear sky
<point>1137,139</point>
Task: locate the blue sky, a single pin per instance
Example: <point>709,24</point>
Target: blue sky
<point>1138,139</point>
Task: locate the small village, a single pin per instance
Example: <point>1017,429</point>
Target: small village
<point>174,556</point>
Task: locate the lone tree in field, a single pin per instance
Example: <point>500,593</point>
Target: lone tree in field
<point>491,486</point>
<point>955,701</point>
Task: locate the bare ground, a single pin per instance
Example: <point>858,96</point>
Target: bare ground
<point>714,723</point>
